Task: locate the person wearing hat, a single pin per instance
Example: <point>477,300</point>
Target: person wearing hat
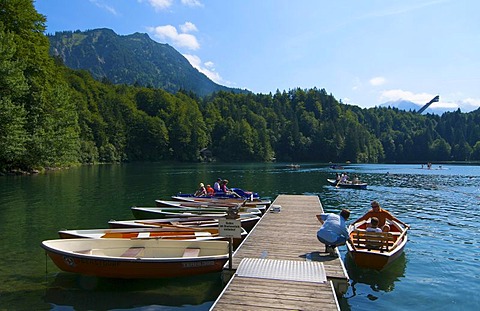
<point>202,191</point>
<point>223,186</point>
<point>216,185</point>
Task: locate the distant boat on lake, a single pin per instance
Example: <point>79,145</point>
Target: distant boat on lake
<point>347,184</point>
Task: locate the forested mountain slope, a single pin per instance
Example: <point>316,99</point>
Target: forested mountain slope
<point>132,59</point>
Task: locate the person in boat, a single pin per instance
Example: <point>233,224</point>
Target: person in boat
<point>333,231</point>
<point>210,191</point>
<point>344,178</point>
<point>382,216</point>
<point>355,179</point>
<point>217,185</point>
<point>374,225</point>
<point>202,191</point>
<point>223,186</point>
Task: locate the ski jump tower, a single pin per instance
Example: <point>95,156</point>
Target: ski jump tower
<point>434,100</point>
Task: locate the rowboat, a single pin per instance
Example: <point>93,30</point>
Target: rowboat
<point>376,250</point>
<point>139,258</point>
<point>206,204</point>
<point>172,232</point>
<point>247,221</point>
<point>347,184</point>
<point>233,193</point>
<point>219,200</point>
<point>176,212</point>
<point>169,233</point>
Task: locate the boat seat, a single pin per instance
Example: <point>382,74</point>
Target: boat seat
<point>94,251</point>
<point>191,252</point>
<point>381,241</point>
<point>133,252</point>
<point>85,251</point>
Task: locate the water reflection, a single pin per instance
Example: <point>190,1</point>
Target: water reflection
<point>92,293</point>
<point>377,280</point>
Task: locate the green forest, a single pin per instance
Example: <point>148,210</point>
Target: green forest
<point>52,116</point>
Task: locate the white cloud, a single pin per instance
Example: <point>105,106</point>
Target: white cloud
<point>377,81</point>
<point>468,104</point>
<point>192,3</point>
<point>208,68</point>
<point>159,4</point>
<point>472,102</point>
<point>170,33</point>
<point>394,95</point>
<point>346,100</point>
<point>188,27</point>
<point>104,6</point>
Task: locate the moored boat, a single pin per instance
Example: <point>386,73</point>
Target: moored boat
<point>139,258</point>
<point>247,221</point>
<point>347,184</point>
<point>207,204</point>
<point>172,232</point>
<point>178,212</point>
<point>376,250</point>
<point>232,193</point>
<point>219,200</point>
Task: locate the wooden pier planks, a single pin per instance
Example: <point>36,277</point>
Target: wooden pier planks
<point>262,294</point>
<point>287,235</point>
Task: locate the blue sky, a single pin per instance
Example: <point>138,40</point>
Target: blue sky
<point>364,53</point>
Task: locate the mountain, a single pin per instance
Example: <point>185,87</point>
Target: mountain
<point>411,106</point>
<point>402,105</point>
<point>131,59</point>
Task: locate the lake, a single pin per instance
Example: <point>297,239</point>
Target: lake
<point>440,269</point>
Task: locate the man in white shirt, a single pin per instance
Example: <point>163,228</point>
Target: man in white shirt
<point>333,232</point>
<point>216,185</point>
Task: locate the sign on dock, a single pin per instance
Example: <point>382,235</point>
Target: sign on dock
<point>230,228</point>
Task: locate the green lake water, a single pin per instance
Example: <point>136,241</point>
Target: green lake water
<point>440,269</point>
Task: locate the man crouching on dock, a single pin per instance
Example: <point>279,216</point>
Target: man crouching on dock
<point>333,232</point>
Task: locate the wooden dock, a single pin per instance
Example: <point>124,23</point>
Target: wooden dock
<point>286,239</point>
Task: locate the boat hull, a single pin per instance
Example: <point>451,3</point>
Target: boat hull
<point>224,200</point>
<point>376,261</point>
<point>348,185</point>
<point>247,222</point>
<point>374,258</point>
<point>170,233</point>
<point>234,193</point>
<point>182,212</point>
<point>215,204</point>
<point>71,259</point>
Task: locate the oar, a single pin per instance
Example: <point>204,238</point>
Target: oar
<point>354,248</point>
<point>167,225</point>
<point>338,183</point>
<point>400,238</point>
<point>191,236</point>
<point>236,194</point>
<point>195,228</point>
